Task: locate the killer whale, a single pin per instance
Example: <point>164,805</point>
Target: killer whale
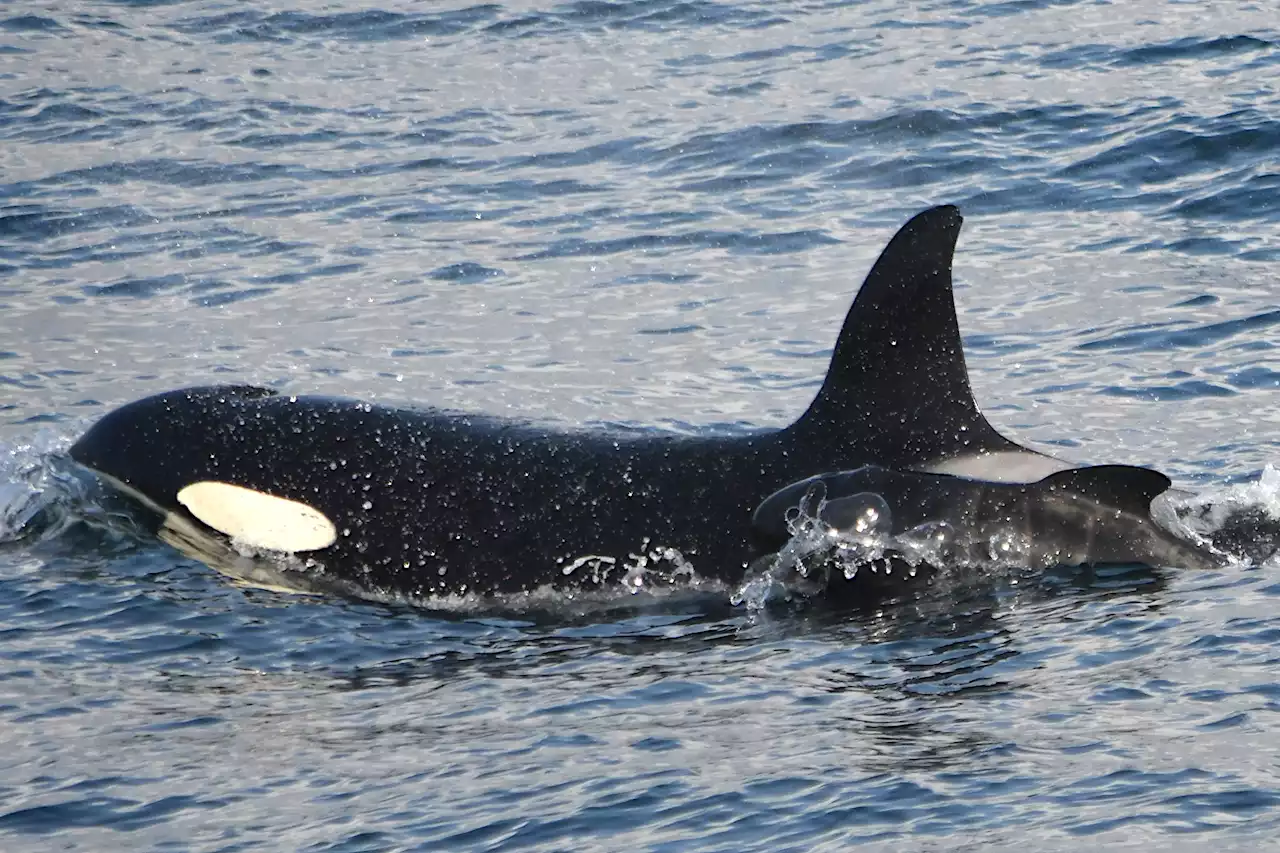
<point>907,521</point>
<point>422,502</point>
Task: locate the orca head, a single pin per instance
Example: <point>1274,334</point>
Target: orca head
<point>167,452</point>
<point>897,392</point>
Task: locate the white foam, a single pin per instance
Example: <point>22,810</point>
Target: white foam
<point>19,503</point>
<point>32,487</point>
<point>1241,508</point>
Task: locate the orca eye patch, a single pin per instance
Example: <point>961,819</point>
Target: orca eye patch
<point>257,519</point>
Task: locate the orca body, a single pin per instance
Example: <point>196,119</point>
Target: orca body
<point>422,501</point>
<point>1080,516</point>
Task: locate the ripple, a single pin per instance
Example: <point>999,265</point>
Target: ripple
<point>465,273</point>
<point>372,25</point>
<point>99,811</point>
<point>1192,48</point>
<point>30,23</point>
<point>1171,153</point>
<point>1207,335</point>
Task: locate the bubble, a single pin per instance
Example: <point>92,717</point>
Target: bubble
<point>864,514</point>
<point>1009,547</point>
<point>933,543</point>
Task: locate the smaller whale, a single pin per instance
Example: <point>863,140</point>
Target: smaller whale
<point>911,521</point>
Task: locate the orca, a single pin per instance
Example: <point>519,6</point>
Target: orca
<point>887,520</point>
<point>423,502</point>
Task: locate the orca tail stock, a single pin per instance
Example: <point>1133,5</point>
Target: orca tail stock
<point>898,385</point>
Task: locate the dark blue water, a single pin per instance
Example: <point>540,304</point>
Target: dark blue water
<point>652,213</point>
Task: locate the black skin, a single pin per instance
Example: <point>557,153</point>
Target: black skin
<point>461,503</point>
<point>501,507</point>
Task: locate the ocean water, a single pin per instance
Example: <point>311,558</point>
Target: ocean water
<point>652,213</point>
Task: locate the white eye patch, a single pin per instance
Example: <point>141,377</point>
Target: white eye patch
<point>257,519</point>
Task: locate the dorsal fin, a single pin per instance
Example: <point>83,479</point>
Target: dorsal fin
<point>897,385</point>
<point>1126,487</point>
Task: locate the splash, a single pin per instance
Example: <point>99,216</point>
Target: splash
<point>38,495</point>
<point>653,576</point>
<point>852,535</point>
<point>654,567</point>
<point>1240,520</point>
<point>657,577</point>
